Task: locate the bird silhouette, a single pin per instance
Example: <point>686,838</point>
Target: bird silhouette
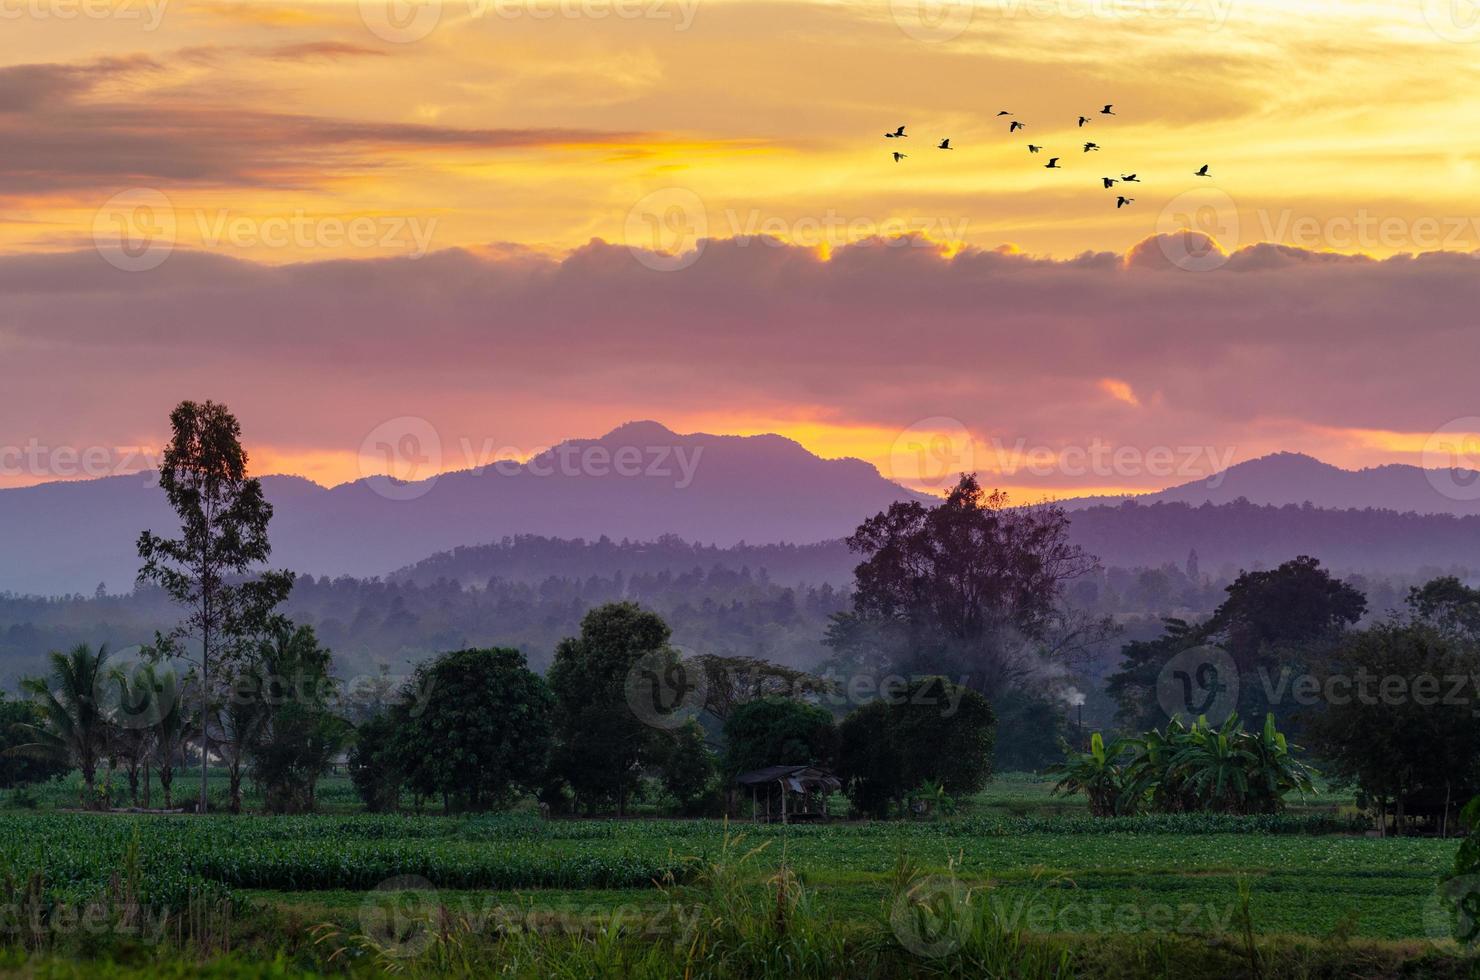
<point>1033,149</point>
<point>1121,202</point>
<point>945,144</point>
<point>1203,171</point>
<point>1004,112</point>
<point>1130,178</point>
<point>1109,182</point>
<point>899,156</point>
<point>1014,126</point>
<point>1091,146</point>
<point>1108,110</point>
<point>1052,164</point>
<point>1082,121</point>
<point>897,134</point>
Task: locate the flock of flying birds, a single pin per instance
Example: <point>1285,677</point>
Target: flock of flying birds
<point>1053,162</point>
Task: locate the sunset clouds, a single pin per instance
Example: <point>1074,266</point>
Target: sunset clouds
<point>880,347</point>
<point>695,218</point>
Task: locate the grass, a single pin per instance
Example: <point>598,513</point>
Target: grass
<point>1044,882</point>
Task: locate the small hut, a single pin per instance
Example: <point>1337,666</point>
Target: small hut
<point>788,793</point>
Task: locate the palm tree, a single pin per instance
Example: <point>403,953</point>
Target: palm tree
<point>73,724</point>
<point>240,722</point>
<point>173,729</point>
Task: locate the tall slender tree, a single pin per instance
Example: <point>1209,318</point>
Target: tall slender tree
<point>214,568</point>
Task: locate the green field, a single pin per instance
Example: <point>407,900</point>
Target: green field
<point>1040,864</point>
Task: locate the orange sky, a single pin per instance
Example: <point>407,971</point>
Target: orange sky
<point>142,133</point>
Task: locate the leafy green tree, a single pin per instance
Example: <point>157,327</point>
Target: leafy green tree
<point>484,732</point>
<point>869,762</point>
<point>778,731</point>
<point>1134,685</point>
<point>1449,605</point>
<point>375,766</point>
<point>1288,618</point>
<point>17,718</point>
<point>946,734</point>
<point>1389,726</point>
<point>213,567</point>
<point>931,732</point>
<point>601,741</point>
<point>299,734</point>
<point>1283,621</point>
<point>970,582</point>
<point>688,767</point>
<point>733,681</point>
<point>73,725</point>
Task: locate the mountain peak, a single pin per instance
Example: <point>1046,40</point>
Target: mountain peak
<point>640,430</point>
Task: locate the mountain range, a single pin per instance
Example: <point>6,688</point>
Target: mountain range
<point>642,481</point>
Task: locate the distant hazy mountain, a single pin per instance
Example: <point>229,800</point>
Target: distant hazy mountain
<point>639,481</point>
<point>1294,478</point>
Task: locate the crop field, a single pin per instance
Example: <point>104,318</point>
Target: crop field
<point>1068,871</point>
<point>1041,864</point>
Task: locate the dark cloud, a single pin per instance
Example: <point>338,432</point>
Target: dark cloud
<point>1275,340</point>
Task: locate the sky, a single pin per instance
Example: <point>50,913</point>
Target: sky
<point>490,225</point>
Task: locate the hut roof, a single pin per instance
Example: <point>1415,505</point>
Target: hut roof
<point>795,776</point>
